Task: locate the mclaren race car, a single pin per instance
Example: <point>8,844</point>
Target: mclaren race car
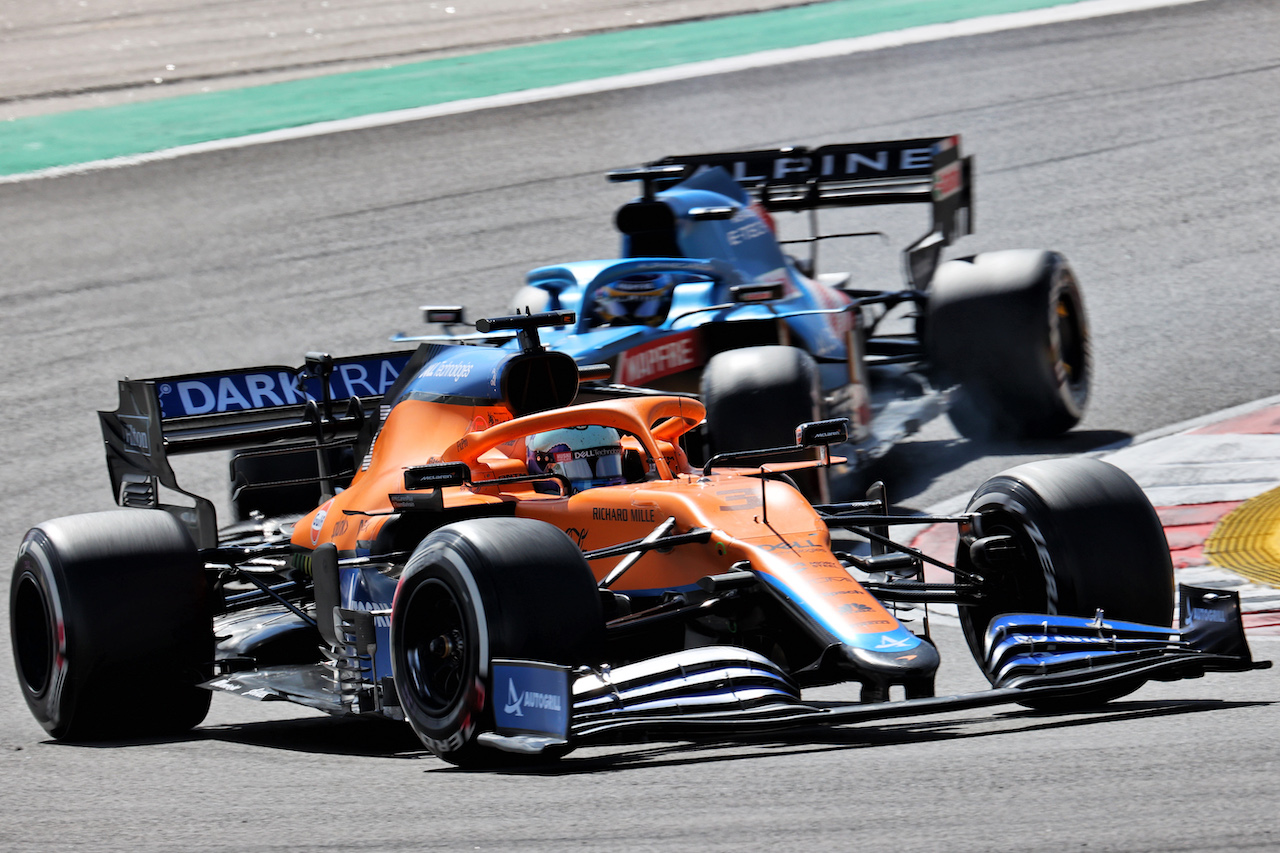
<point>514,573</point>
<point>705,299</point>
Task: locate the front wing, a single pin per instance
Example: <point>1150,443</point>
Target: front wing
<point>719,690</point>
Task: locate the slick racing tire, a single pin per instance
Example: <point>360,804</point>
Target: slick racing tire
<point>1008,331</point>
<point>756,397</point>
<point>111,626</point>
<point>283,500</point>
<point>1087,539</point>
<point>478,590</point>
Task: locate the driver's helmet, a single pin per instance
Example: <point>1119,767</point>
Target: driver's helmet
<point>644,298</point>
<point>588,456</point>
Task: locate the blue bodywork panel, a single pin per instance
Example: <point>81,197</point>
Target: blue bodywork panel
<point>707,257</point>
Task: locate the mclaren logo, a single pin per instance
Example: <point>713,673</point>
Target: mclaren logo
<point>517,700</point>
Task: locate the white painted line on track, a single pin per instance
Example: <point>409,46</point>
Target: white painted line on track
<point>1077,11</point>
<point>1186,469</point>
<point>1193,423</point>
<point>1176,467</point>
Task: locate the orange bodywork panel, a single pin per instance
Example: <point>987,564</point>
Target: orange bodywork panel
<point>751,518</point>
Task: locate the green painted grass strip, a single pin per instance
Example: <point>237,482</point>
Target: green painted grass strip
<point>63,139</point>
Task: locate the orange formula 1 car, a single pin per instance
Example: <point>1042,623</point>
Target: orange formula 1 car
<point>514,575</point>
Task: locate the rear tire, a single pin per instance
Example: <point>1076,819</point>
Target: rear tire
<point>111,626</point>
<point>478,590</point>
<point>756,397</point>
<point>1008,329</point>
<point>1088,539</point>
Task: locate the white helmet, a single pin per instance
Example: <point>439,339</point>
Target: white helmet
<point>588,456</point>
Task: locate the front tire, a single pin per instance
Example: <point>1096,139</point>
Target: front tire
<point>756,397</point>
<point>111,626</point>
<point>478,590</point>
<point>1087,539</point>
<point>1008,330</point>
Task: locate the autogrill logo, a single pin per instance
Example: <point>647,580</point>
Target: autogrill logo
<point>1204,614</point>
<point>369,606</point>
<point>380,611</point>
<point>517,701</point>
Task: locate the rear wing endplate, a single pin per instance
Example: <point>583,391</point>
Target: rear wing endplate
<point>326,402</point>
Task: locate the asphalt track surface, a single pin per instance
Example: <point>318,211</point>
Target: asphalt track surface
<point>1142,146</point>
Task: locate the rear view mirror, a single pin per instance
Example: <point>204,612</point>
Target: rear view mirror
<point>446,315</point>
<point>822,433</point>
<point>748,293</point>
<point>436,476</point>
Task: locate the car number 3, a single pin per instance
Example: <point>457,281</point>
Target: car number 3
<point>736,500</point>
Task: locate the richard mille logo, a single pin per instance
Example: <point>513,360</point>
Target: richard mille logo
<point>516,700</point>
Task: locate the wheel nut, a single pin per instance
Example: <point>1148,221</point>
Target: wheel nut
<point>441,646</point>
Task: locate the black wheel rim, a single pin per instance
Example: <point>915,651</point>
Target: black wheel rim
<point>1072,349</point>
<point>33,640</point>
<point>1020,586</point>
<point>436,647</point>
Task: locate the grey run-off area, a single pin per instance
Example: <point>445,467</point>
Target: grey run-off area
<point>74,54</point>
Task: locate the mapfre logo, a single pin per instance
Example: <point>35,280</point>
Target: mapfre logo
<point>673,354</point>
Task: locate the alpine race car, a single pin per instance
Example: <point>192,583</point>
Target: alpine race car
<point>705,299</point>
<point>515,573</point>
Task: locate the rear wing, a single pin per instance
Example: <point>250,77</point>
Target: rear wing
<point>327,402</point>
<point>906,171</point>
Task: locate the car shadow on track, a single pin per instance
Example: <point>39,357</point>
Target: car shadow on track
<point>910,468</point>
<point>382,739</point>
<point>367,738</point>
<point>961,451</point>
<point>824,740</point>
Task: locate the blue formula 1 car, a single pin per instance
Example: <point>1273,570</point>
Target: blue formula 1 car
<point>706,300</point>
